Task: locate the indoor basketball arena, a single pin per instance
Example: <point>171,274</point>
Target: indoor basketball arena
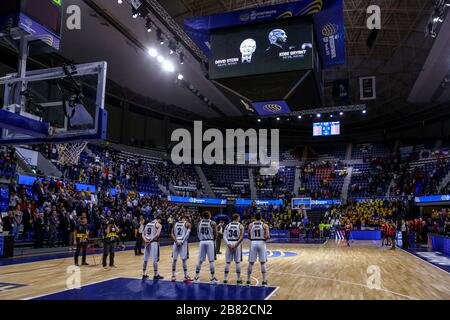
<point>225,150</point>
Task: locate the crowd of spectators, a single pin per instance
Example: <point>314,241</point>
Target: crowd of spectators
<point>8,162</point>
<point>369,213</point>
<point>106,168</point>
<point>317,179</point>
<point>48,212</point>
<point>375,181</point>
<point>272,187</point>
<point>418,181</point>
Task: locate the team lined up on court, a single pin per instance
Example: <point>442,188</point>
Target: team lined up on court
<point>233,236</point>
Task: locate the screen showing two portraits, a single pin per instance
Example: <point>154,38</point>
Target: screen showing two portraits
<point>279,46</point>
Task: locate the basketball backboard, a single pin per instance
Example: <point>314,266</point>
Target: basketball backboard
<point>59,105</point>
<point>301,203</point>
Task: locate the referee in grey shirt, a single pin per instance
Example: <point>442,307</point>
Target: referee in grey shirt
<point>139,229</point>
<point>219,231</point>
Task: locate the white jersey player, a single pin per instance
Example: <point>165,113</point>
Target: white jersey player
<point>180,236</point>
<point>151,234</point>
<point>258,233</point>
<point>206,233</point>
<point>233,236</point>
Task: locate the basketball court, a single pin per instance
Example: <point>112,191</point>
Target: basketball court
<point>330,271</point>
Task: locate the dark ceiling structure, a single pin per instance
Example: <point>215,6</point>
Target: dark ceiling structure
<point>396,55</point>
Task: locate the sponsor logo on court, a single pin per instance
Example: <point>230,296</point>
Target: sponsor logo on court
<point>4,286</point>
<point>435,258</point>
<point>276,254</point>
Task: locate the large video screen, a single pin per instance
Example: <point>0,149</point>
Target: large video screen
<point>279,46</point>
<point>322,129</point>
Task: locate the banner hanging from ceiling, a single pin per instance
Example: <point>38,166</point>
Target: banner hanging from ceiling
<point>328,16</point>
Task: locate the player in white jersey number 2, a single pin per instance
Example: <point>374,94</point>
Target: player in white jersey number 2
<point>258,233</point>
<point>180,236</point>
<point>151,234</point>
<point>206,233</point>
<point>233,236</point>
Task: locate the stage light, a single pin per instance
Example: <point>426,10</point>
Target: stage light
<point>159,36</point>
<point>181,58</point>
<point>148,25</point>
<point>134,13</point>
<point>341,113</point>
<point>119,1</point>
<point>364,111</point>
<point>180,77</point>
<point>331,116</point>
<point>318,115</point>
<point>168,66</point>
<point>153,52</point>
<point>278,119</point>
<point>160,59</point>
<point>259,120</point>
<point>299,117</point>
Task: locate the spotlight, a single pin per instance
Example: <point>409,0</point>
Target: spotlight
<point>259,120</point>
<point>160,59</point>
<point>119,1</point>
<point>181,58</point>
<point>159,36</point>
<point>364,111</point>
<point>134,13</point>
<point>341,113</point>
<point>318,115</point>
<point>153,52</point>
<point>299,117</point>
<point>148,25</point>
<point>168,66</point>
<point>172,47</point>
<point>180,77</point>
<point>331,116</point>
<point>278,118</point>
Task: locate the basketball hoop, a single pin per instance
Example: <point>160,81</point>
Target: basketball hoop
<point>69,153</point>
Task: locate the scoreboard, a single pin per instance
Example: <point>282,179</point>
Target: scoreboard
<point>321,129</point>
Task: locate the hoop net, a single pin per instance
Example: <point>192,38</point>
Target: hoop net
<point>69,153</point>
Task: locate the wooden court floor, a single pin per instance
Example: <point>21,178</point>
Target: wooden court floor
<point>328,271</point>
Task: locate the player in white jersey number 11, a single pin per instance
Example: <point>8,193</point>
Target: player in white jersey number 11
<point>258,233</point>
